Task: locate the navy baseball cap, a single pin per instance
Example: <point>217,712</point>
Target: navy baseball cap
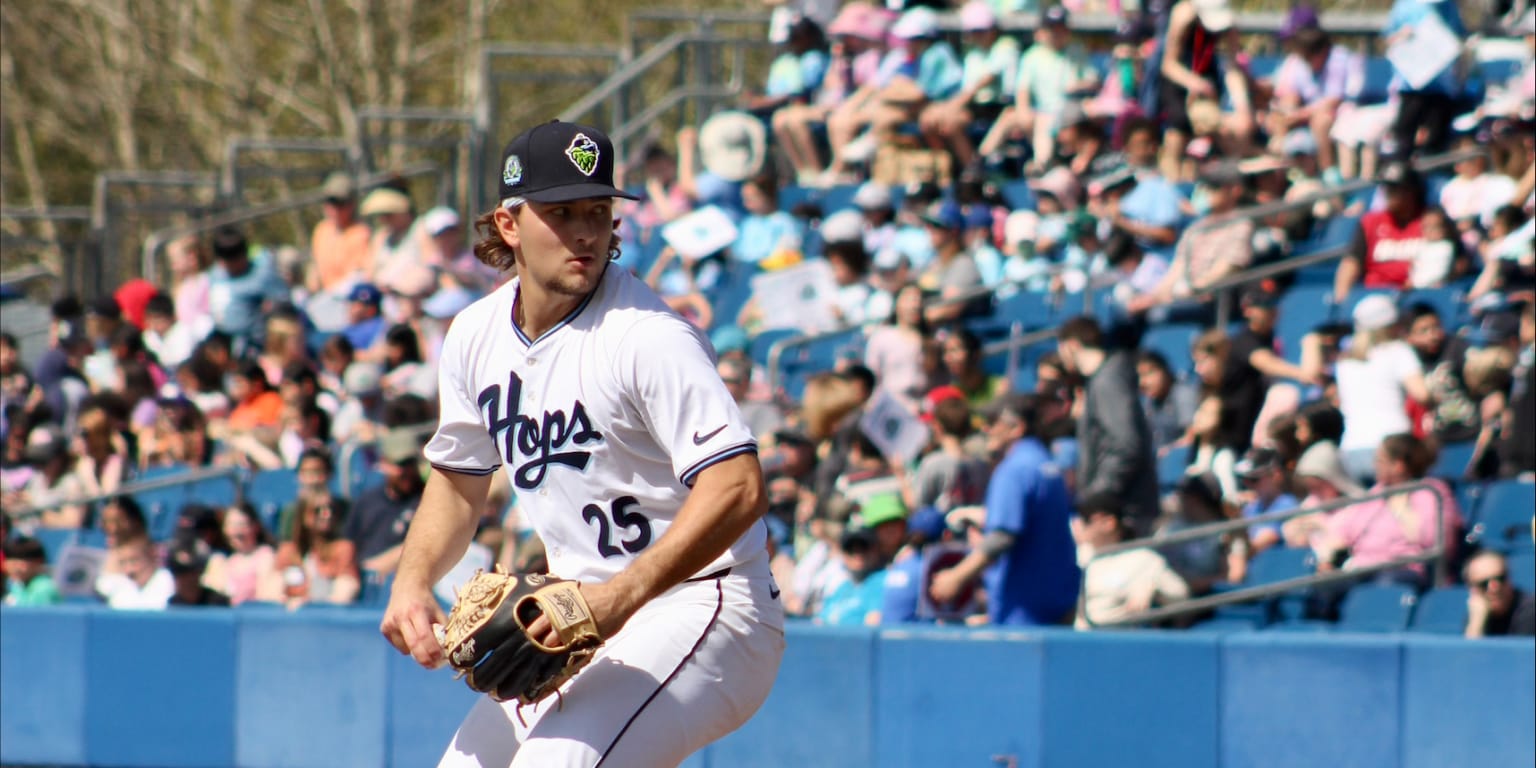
<point>557,162</point>
<point>366,293</point>
<point>945,215</point>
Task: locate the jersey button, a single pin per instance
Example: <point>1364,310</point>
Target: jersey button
<point>533,361</point>
<point>543,491</point>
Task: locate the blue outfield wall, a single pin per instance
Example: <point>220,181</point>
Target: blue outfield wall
<point>259,688</point>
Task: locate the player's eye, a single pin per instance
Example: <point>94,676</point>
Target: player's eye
<point>562,212</point>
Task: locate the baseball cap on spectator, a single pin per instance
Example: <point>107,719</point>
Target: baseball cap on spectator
<point>385,201</point>
<point>1321,460</point>
<point>401,445</point>
<point>978,216</point>
<point>338,187</point>
<point>1020,405</point>
<point>927,523</point>
<point>889,259</point>
<point>366,293</point>
<point>1020,227</point>
<point>106,307</point>
<point>873,196</point>
<point>916,24</point>
<point>45,444</point>
<point>439,220</point>
<point>938,395</point>
<point>556,162</point>
<point>132,297</point>
<point>1257,462</point>
<point>729,338</point>
<point>1496,329</point>
<point>1221,174</point>
<point>1301,17</point>
<point>1111,180</point>
<point>945,215</point>
<point>1374,313</point>
<point>880,509</point>
<point>1055,16</point>
<point>1061,184</point>
<point>1203,486</point>
<point>845,226</point>
<point>1401,174</point>
<point>977,16</point>
<point>1131,32</point>
<point>859,19</point>
<point>1214,15</point>
<point>362,378</point>
<point>187,555</point>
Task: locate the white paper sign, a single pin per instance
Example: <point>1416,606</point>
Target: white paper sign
<point>799,298</point>
<point>76,568</point>
<point>477,556</point>
<point>896,431</point>
<point>1425,52</point>
<point>700,233</point>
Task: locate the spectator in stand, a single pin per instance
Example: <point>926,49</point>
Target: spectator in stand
<point>850,265</point>
<point>283,343</point>
<point>1206,561</point>
<point>924,70</point>
<point>1124,583</point>
<point>875,203</point>
<point>362,407</point>
<point>121,520</point>
<point>141,583</point>
<point>1451,414</point>
<point>1312,83</point>
<point>394,245</point>
<point>961,352</point>
<point>172,343</point>
<point>895,351</point>
<point>1515,450</point>
<point>179,438</point>
<point>242,289</point>
<point>1052,73</point>
<point>1425,110</point>
<point>1145,207</point>
<point>987,83</point>
<point>364,314</point>
<point>101,452</point>
<point>53,483</point>
<point>378,520</point>
<point>191,284</point>
<point>1495,606</point>
<point>1264,476</point>
<point>1115,450</point>
<point>1117,97</point>
<point>796,74</point>
<point>336,353</point>
<point>766,231</point>
<point>257,404</point>
<point>858,39</point>
<point>26,573</point>
<point>103,318</point>
<point>339,244</point>
<point>1474,195</point>
<point>186,562</point>
<point>1027,555</point>
<point>316,565</point>
<point>763,418</point>
<point>1169,402</point>
<point>948,476</point>
<point>952,273</point>
<point>239,575</point>
<point>1509,263</point>
<point>1320,472</point>
<point>1214,247</point>
<point>1377,377</point>
<point>1402,524</point>
<point>1390,240</point>
<point>664,199</point>
<point>1192,72</point>
<point>874,535</point>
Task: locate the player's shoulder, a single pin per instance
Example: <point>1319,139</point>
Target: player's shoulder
<point>629,309</point>
<point>475,326</point>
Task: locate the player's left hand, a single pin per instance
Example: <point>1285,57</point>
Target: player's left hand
<point>609,609</point>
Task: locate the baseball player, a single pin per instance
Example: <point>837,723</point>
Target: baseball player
<point>633,464</point>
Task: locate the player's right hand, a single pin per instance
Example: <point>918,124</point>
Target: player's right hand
<point>410,623</point>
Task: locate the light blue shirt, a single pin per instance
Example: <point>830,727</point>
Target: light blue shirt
<point>850,603</point>
<point>1156,202</point>
<point>759,236</point>
<point>939,73</point>
<point>235,302</point>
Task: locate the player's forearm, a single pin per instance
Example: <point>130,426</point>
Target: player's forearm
<point>442,528</point>
<point>727,499</point>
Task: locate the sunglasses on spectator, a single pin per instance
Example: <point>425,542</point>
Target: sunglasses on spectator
<point>1482,586</point>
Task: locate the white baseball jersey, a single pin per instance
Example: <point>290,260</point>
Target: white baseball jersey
<point>602,423</point>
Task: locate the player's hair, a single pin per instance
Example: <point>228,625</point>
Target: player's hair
<point>494,252</point>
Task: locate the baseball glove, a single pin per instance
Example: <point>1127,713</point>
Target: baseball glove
<point>487,641</point>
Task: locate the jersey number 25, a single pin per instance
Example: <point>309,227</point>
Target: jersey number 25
<point>621,515</point>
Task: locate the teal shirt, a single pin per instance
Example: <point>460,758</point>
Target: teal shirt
<point>850,603</point>
<point>39,591</point>
<point>939,73</point>
<point>1001,61</point>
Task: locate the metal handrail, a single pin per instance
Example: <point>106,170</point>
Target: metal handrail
<point>313,197</point>
<point>192,475</point>
<point>1248,594</point>
<point>632,71</point>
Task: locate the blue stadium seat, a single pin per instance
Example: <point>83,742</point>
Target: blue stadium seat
<point>1336,232</point>
<point>1377,608</point>
<point>1448,303</point>
<point>1378,75</point>
<point>1298,315</point>
<point>1441,612</point>
<point>1226,625</point>
<point>1522,570</point>
<point>762,344</point>
<point>1017,194</point>
<point>1032,309</point>
<point>1271,566</point>
<point>1453,460</point>
<point>91,537</point>
<point>1264,67</point>
<point>54,540</point>
<point>1300,626</point>
<point>217,492</point>
<point>791,195</point>
<point>732,293</point>
<point>1499,71</point>
<point>1504,516</point>
<point>837,198</point>
<point>268,491</point>
<point>1173,342</point>
<point>1171,465</point>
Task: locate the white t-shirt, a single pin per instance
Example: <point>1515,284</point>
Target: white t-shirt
<point>1478,198</point>
<point>1111,581</point>
<point>1371,394</point>
<point>603,423</point>
<point>120,591</point>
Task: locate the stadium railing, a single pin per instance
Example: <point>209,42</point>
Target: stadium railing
<point>1435,555</point>
<point>160,482</point>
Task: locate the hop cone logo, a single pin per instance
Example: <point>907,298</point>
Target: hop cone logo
<point>583,154</point>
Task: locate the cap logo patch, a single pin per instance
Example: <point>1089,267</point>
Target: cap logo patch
<point>512,172</point>
<point>583,154</point>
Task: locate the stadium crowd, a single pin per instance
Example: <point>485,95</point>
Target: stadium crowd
<point>1116,183</point>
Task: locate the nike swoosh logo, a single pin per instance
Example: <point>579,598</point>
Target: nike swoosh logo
<point>773,591</point>
<point>702,439</point>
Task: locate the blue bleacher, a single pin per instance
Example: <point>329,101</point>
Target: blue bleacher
<point>1504,516</point>
<point>1378,75</point>
<point>1522,570</point>
<point>1032,309</point>
<point>1448,302</point>
<point>1017,194</point>
<point>1171,466</point>
<point>820,356</point>
<point>1452,462</point>
<point>1173,341</point>
<point>762,344</point>
<point>1226,625</point>
<point>54,540</point>
<point>1377,608</point>
<point>1441,612</point>
<point>1272,566</point>
<point>1300,625</point>
<point>1299,313</point>
<point>268,491</point>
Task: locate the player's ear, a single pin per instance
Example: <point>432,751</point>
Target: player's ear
<point>506,226</point>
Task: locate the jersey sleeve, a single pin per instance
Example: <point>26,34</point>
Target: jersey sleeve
<point>667,371</point>
<point>462,443</point>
